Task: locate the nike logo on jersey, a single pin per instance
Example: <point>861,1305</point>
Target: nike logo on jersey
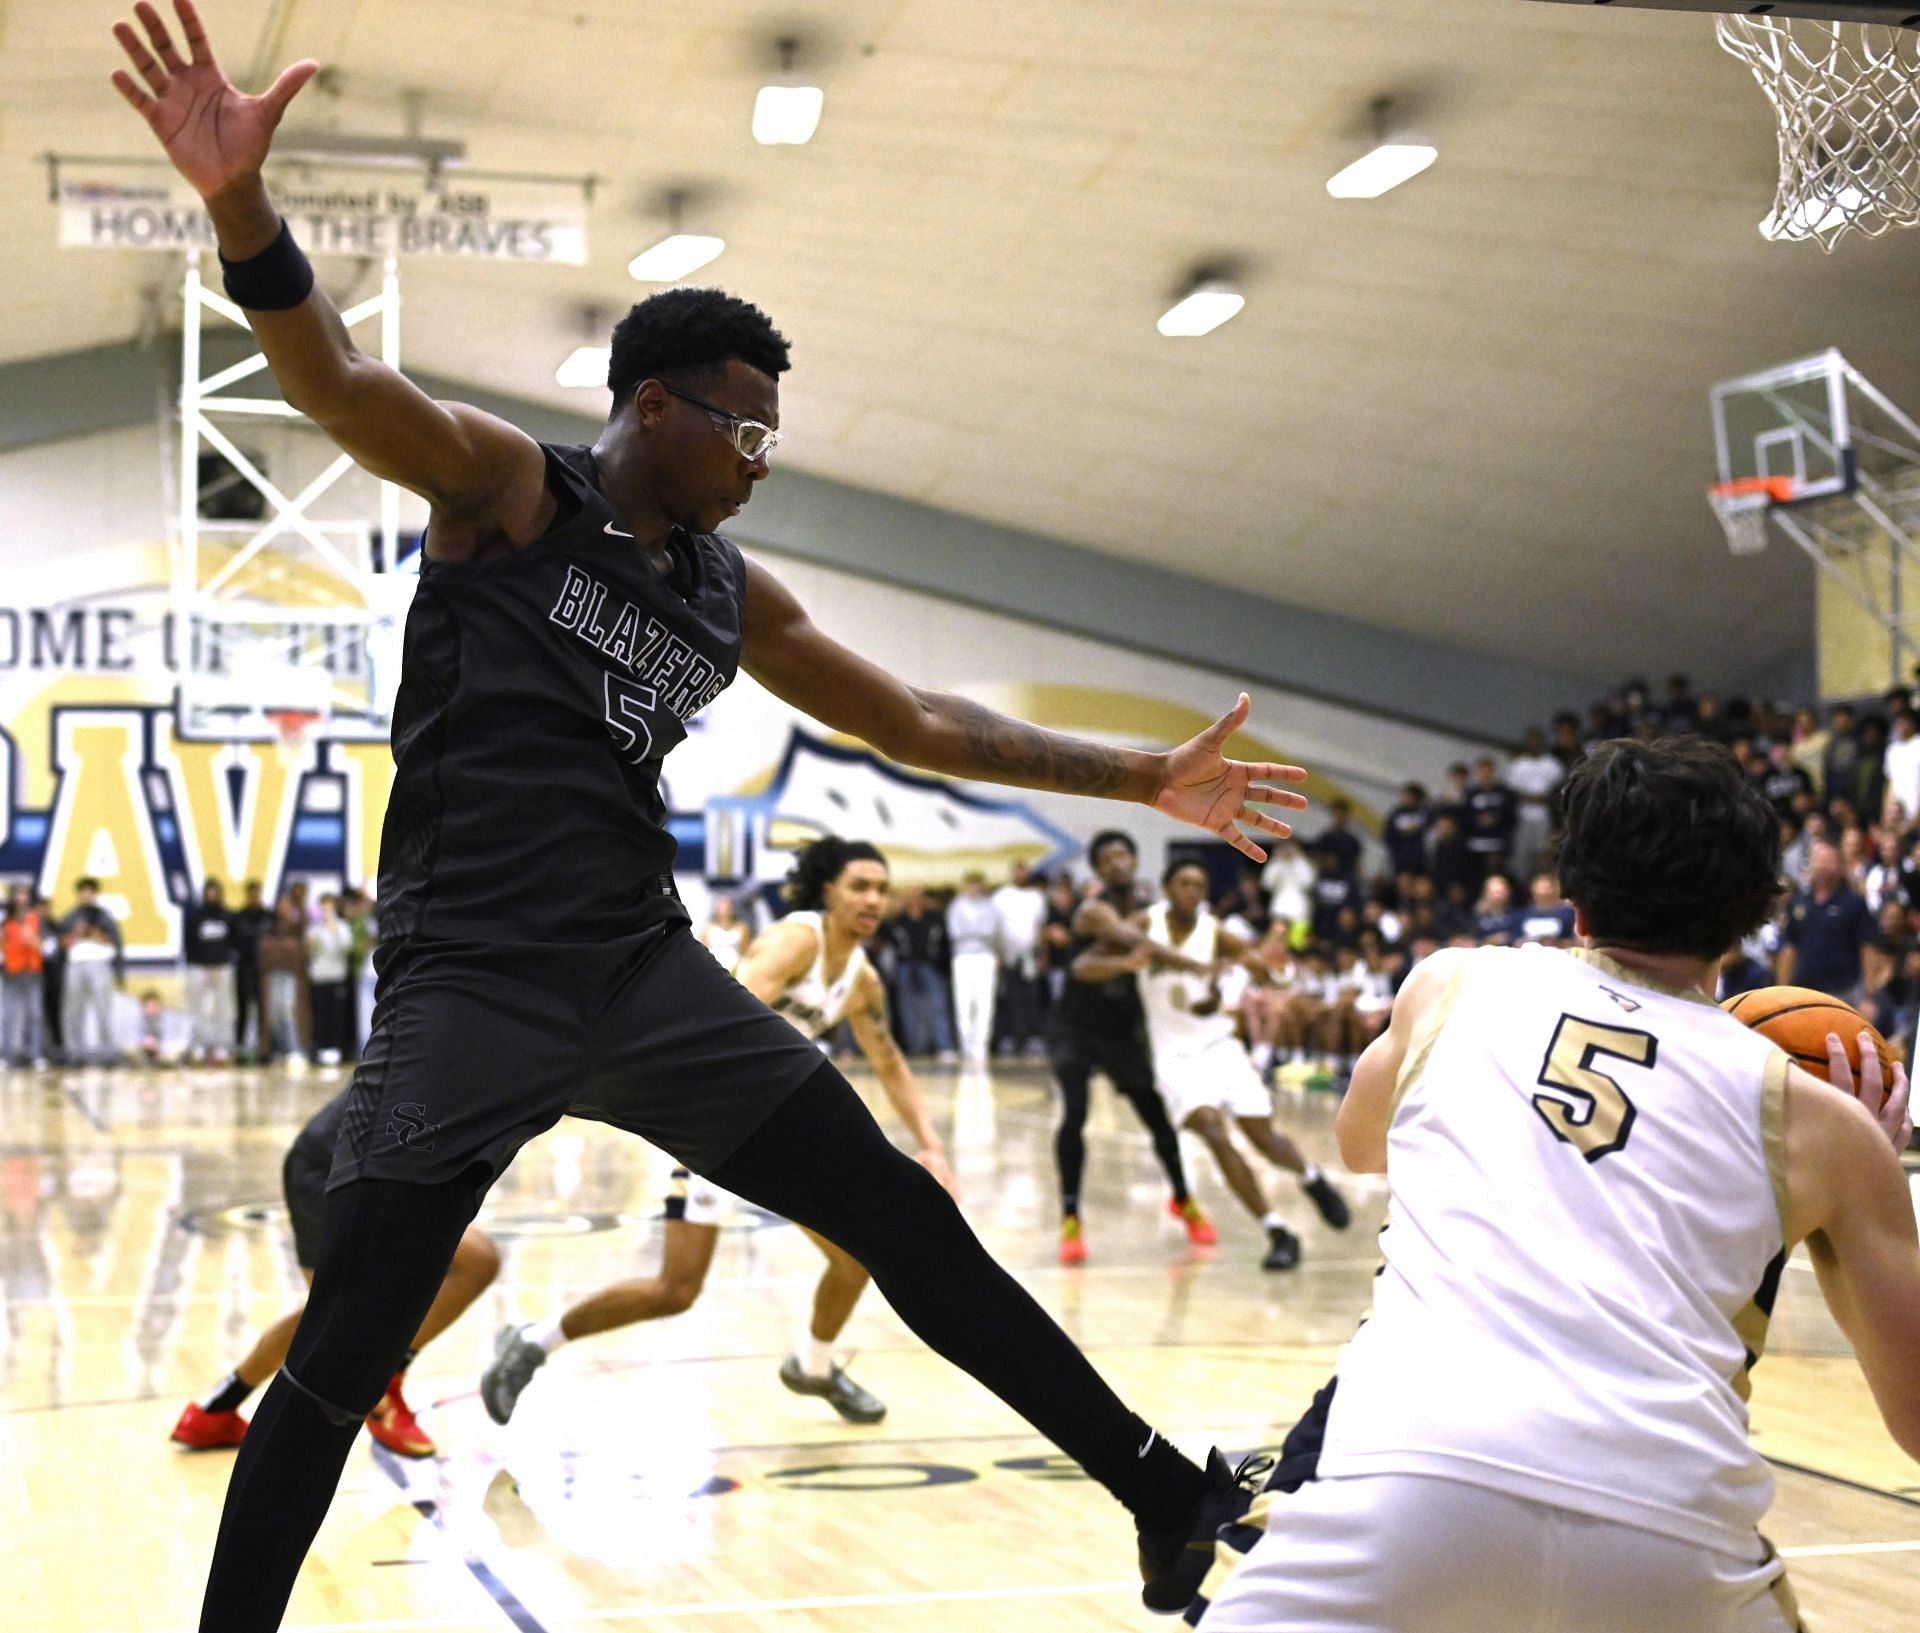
<point>685,681</point>
<point>1152,1436</point>
<point>617,533</point>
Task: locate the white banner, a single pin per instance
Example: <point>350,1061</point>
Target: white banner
<point>491,222</point>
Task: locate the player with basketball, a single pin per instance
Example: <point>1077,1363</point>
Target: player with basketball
<point>576,608</point>
<point>1596,1179</point>
<point>1200,1066</point>
<point>215,1421</point>
<point>811,968</point>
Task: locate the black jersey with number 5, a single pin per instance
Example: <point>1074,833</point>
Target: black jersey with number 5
<point>539,692</point>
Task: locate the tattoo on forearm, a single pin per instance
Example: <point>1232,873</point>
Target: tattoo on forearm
<point>1017,752</point>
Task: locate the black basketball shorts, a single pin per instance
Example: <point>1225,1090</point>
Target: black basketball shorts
<point>303,1181</point>
<point>479,1046</point>
<point>1076,1051</point>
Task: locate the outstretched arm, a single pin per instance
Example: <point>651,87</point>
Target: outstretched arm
<point>484,478</point>
<point>789,655</point>
<point>868,1016</point>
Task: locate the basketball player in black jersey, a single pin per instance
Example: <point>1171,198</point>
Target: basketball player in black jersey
<point>575,609</point>
<point>1099,1026</point>
<point>215,1421</point>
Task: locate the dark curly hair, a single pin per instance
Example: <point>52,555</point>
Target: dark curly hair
<point>1667,847</point>
<point>820,864</point>
<point>1106,837</point>
<point>690,334</point>
<point>1173,867</point>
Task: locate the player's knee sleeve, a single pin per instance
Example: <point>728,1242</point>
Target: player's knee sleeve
<point>341,1417</point>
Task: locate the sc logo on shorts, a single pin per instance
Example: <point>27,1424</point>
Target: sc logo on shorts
<point>410,1127</point>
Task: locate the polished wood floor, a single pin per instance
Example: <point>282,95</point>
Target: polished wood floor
<point>659,1477</point>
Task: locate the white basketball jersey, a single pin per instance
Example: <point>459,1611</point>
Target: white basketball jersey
<point>1583,1245</point>
<point>811,1003</point>
<point>1167,996</point>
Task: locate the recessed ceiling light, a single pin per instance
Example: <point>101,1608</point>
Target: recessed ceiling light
<point>787,115</point>
<point>674,257</point>
<point>1201,312</point>
<point>585,366</point>
<point>1382,170</point>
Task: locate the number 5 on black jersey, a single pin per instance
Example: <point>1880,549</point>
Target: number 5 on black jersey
<point>1584,1107</point>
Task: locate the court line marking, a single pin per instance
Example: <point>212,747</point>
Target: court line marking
<point>747,1607</point>
<point>1822,1550</point>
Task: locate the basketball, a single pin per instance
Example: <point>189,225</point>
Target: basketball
<point>1799,1019</point>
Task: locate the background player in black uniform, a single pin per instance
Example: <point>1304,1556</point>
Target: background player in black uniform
<point>1099,1026</point>
<point>575,609</point>
<point>215,1420</point>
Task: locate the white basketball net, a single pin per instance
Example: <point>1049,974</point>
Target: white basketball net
<point>1848,96</point>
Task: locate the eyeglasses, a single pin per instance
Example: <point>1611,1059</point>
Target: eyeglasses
<point>751,440</point>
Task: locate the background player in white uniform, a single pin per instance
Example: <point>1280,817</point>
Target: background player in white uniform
<point>1596,1179</point>
<point>724,935</point>
<point>810,967</point>
<point>1200,1066</point>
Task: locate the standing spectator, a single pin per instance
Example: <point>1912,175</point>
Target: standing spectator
<point>1405,831</point>
<point>1868,796</point>
<point>1677,716</point>
<point>1828,925</point>
<point>1534,775</point>
<point>1566,739</point>
<point>1019,911</point>
<point>1333,892</point>
<point>1891,963</point>
<point>918,936</point>
<point>1840,758</point>
<point>208,947</point>
<point>1902,765</point>
<point>723,934</point>
<point>1709,720</point>
<point>1781,782</point>
<point>329,964</point>
<point>1809,749</point>
<point>1491,814</point>
<point>971,932</point>
<point>1451,866</point>
<point>283,975</point>
<point>53,980</point>
<point>245,930</point>
<point>95,967</point>
<point>1339,841</point>
<point>363,919</point>
<point>22,980</point>
<point>1288,881</point>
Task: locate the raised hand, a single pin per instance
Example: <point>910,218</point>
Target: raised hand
<point>215,134</point>
<point>1200,785</point>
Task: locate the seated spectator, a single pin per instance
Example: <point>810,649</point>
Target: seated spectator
<point>1741,972</point>
<point>1566,739</point>
<point>1889,963</point>
<point>1780,779</point>
<point>1548,916</point>
<point>1494,920</point>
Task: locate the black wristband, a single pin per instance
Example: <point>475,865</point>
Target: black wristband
<point>278,278</point>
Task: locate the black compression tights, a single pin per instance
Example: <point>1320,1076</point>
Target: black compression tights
<point>819,1160</point>
<point>1070,1140</point>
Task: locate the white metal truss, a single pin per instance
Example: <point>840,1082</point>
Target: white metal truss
<point>244,651</point>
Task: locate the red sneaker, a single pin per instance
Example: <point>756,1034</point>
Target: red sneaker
<point>1200,1229</point>
<point>204,1431</point>
<point>1073,1246</point>
<point>393,1424</point>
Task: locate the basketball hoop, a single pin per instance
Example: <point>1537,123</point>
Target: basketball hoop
<point>1742,508</point>
<point>1848,97</point>
<point>294,728</point>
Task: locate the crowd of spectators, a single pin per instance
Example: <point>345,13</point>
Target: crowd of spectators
<point>291,982</point>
